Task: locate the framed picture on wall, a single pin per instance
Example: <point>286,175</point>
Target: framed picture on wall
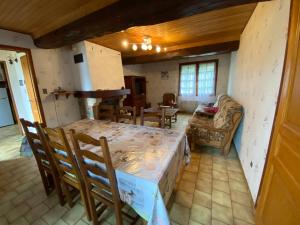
<point>164,75</point>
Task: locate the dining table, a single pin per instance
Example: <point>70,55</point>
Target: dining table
<point>147,162</point>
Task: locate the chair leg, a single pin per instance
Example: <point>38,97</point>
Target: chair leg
<point>67,193</point>
<point>85,202</point>
<point>118,214</point>
<point>45,181</point>
<point>93,211</point>
<point>59,190</point>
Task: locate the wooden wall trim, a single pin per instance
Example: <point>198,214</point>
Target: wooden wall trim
<point>104,94</point>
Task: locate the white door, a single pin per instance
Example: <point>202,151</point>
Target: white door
<point>6,117</point>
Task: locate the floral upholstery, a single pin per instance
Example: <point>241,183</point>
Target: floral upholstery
<point>217,131</point>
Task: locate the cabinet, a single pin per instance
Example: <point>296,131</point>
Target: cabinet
<point>137,96</point>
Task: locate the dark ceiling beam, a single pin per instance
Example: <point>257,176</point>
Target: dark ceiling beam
<point>219,48</point>
<point>129,13</point>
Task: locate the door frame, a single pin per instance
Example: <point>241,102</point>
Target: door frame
<point>33,77</point>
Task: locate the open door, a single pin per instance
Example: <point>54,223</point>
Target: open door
<point>33,99</point>
<point>279,198</point>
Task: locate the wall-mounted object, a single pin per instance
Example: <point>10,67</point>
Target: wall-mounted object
<point>164,75</point>
<point>61,92</point>
<point>78,58</point>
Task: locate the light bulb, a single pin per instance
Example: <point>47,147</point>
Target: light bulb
<point>158,48</point>
<point>144,46</point>
<point>150,47</point>
<point>134,47</point>
<point>125,43</point>
<point>165,49</point>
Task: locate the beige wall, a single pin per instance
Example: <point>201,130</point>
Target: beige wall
<point>156,87</point>
<point>101,67</point>
<point>255,74</point>
<point>105,66</point>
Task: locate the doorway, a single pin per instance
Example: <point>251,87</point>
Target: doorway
<point>19,98</point>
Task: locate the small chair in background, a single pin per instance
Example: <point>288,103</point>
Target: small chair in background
<point>99,177</point>
<point>66,164</point>
<point>45,163</point>
<point>153,115</point>
<point>126,114</point>
<point>104,112</point>
<point>169,99</point>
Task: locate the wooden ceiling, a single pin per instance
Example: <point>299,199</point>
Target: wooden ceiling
<point>183,27</point>
<point>38,17</point>
<point>203,29</point>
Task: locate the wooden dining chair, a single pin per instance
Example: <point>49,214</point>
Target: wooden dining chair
<point>153,115</point>
<point>45,162</point>
<point>67,167</point>
<point>99,177</point>
<point>105,112</point>
<point>126,114</point>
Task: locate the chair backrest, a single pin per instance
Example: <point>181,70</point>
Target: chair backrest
<point>104,111</point>
<point>127,113</point>
<point>61,152</point>
<point>36,142</point>
<point>153,115</point>
<point>97,171</point>
<point>169,99</point>
<point>229,113</point>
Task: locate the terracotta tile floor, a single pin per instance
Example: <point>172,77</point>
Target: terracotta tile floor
<point>212,191</point>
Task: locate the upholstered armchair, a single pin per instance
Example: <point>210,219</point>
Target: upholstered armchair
<point>218,130</point>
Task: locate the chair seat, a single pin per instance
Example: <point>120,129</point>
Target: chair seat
<point>104,194</point>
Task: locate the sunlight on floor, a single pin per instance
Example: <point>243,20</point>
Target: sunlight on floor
<point>10,142</point>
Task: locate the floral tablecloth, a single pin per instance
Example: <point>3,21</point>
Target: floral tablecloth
<point>147,161</point>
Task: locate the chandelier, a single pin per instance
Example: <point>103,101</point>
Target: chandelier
<point>146,45</point>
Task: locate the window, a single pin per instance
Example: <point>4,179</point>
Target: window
<point>198,78</point>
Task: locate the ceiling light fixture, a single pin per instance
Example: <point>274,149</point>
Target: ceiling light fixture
<point>158,49</point>
<point>146,45</point>
<point>134,47</point>
<point>125,43</point>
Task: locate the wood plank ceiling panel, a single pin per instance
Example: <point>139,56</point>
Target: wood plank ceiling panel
<point>199,30</point>
<point>38,17</point>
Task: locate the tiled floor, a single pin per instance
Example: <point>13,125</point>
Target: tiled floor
<point>10,141</point>
<point>212,191</point>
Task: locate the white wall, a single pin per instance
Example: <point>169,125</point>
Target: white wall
<point>53,68</point>
<point>101,68</point>
<point>156,87</point>
<point>255,74</point>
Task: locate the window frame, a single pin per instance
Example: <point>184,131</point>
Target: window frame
<point>197,63</point>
